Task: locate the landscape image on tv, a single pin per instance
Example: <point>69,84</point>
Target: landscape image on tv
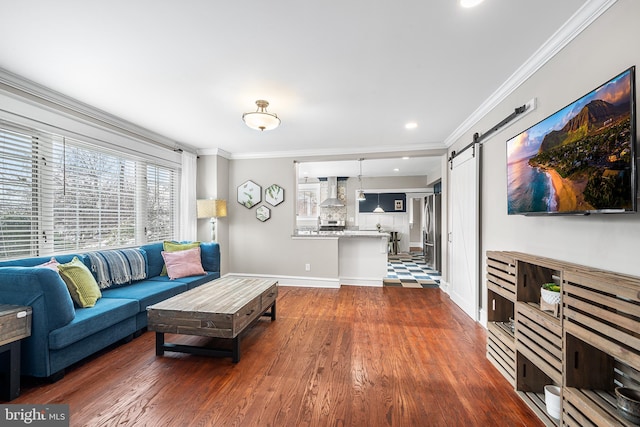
<point>580,159</point>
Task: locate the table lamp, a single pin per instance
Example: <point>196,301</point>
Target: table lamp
<point>213,209</point>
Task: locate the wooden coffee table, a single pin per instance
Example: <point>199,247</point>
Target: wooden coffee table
<point>222,308</point>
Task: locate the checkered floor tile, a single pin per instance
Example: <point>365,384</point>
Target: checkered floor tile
<point>410,271</point>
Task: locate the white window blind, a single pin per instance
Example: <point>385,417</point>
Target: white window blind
<point>18,194</point>
<point>161,203</point>
<point>60,194</point>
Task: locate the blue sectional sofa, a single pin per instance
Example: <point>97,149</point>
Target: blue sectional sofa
<point>62,333</point>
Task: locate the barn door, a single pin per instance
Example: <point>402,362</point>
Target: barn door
<point>464,237</point>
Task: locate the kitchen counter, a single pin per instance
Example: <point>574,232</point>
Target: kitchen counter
<point>335,234</point>
<point>362,255</point>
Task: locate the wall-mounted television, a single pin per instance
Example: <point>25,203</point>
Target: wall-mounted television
<point>579,160</point>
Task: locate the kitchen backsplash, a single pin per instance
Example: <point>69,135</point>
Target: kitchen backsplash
<point>334,212</point>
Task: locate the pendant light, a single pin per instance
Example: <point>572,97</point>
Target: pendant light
<point>378,209</point>
<point>261,119</point>
<point>361,196</point>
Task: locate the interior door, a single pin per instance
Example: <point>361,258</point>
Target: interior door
<point>464,237</point>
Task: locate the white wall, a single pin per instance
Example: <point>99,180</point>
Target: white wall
<point>213,183</point>
<point>604,49</point>
<point>267,248</point>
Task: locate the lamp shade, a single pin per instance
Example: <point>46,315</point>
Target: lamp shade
<point>261,119</point>
<point>212,208</point>
<point>378,209</point>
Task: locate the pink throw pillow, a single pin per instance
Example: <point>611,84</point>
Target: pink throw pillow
<point>51,264</point>
<point>183,263</point>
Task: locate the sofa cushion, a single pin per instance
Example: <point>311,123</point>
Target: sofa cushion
<point>171,246</point>
<point>34,262</point>
<point>154,258</point>
<point>117,267</point>
<point>147,292</point>
<point>210,255</point>
<point>183,263</point>
<point>191,281</point>
<point>51,264</point>
<point>82,285</point>
<point>88,321</point>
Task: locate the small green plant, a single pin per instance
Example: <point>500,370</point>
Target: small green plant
<point>551,287</point>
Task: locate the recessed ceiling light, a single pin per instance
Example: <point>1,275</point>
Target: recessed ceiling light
<point>411,125</point>
<point>396,170</point>
<point>470,3</point>
<point>405,158</point>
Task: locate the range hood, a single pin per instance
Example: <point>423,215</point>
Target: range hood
<point>333,200</point>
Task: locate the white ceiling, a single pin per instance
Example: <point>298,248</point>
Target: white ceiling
<point>344,76</point>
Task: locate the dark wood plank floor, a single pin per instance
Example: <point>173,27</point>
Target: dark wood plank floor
<point>356,356</point>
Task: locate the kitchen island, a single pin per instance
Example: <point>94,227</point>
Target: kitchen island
<point>362,255</point>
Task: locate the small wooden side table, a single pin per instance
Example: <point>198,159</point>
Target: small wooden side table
<point>15,324</point>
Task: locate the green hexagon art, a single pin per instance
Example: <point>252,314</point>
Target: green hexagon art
<point>263,213</point>
<point>249,194</point>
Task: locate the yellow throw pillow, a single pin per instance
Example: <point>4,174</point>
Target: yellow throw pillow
<point>82,285</point>
<point>170,246</point>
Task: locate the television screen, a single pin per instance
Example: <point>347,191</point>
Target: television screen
<point>579,160</point>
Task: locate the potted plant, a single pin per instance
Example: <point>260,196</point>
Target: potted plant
<point>550,293</point>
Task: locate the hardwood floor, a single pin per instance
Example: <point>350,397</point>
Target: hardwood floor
<point>356,356</point>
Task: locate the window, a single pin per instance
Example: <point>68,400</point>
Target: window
<point>59,194</point>
<point>308,201</point>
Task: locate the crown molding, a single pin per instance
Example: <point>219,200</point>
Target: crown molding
<point>215,152</point>
<point>433,149</point>
<point>580,20</point>
<point>43,96</point>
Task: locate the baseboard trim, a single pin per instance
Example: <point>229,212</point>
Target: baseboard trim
<point>361,281</point>
<point>444,286</point>
<point>483,318</point>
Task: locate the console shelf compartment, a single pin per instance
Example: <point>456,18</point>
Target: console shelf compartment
<point>603,309</point>
<point>501,295</point>
<point>584,407</point>
<point>530,384</point>
<point>535,401</point>
<point>539,338</point>
<point>501,274</point>
<point>501,350</point>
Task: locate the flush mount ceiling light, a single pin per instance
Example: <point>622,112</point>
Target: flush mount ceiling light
<point>470,3</point>
<point>261,119</point>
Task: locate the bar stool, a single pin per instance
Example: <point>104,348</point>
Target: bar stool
<point>394,241</point>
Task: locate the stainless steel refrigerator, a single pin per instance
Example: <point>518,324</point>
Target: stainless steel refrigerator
<point>432,229</point>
